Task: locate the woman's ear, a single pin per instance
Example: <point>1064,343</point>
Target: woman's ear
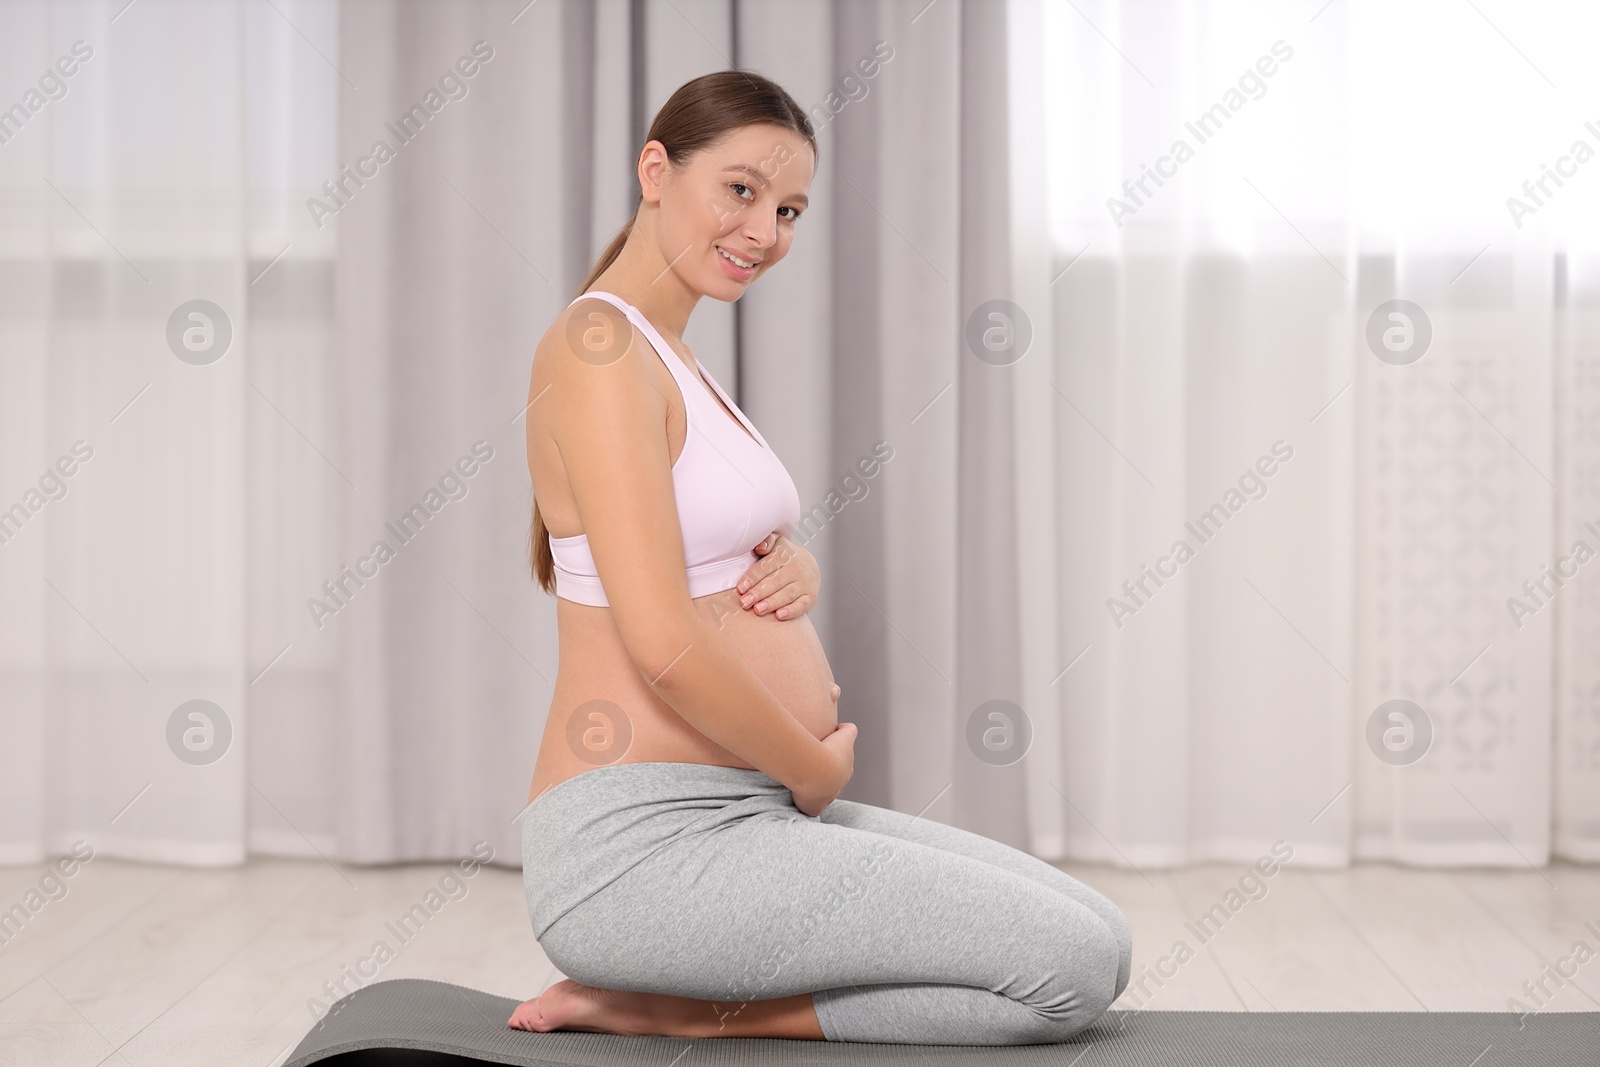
<point>653,164</point>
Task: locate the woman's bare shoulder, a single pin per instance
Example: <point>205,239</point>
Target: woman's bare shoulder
<point>589,330</point>
<point>594,358</point>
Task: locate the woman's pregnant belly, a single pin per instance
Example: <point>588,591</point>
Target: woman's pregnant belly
<point>604,712</point>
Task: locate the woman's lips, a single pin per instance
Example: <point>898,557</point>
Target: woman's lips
<point>732,269</point>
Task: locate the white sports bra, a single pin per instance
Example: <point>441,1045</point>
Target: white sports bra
<point>731,489</point>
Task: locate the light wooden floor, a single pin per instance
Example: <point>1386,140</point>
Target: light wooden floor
<point>144,965</point>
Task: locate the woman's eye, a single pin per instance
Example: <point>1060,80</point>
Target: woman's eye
<point>740,188</point>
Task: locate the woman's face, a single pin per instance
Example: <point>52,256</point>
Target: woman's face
<point>741,196</point>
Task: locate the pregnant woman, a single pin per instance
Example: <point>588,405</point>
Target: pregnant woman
<point>686,863</point>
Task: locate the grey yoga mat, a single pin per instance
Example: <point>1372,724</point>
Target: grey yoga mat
<point>420,1023</point>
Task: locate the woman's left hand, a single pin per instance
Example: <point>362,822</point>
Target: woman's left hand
<point>784,581</point>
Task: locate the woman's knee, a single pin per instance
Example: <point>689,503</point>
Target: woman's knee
<point>1092,981</point>
<point>1098,980</point>
<point>1117,925</point>
<point>1122,933</point>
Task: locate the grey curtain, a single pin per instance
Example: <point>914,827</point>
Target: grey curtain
<point>455,256</point>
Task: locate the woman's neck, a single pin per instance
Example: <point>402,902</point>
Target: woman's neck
<point>641,277</point>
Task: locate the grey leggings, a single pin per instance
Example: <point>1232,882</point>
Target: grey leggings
<point>706,882</point>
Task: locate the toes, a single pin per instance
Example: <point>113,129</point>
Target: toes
<point>526,1016</point>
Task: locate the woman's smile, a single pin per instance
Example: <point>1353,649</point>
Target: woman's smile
<point>731,264</point>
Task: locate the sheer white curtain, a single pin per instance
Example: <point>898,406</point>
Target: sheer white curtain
<point>1237,192</point>
<point>161,460</point>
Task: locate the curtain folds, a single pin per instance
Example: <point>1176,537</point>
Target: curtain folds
<point>276,272</point>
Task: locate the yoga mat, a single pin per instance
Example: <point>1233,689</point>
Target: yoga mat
<point>413,1022</point>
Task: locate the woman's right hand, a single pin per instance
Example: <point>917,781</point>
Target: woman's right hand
<point>840,746</point>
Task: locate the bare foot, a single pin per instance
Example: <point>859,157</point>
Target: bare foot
<point>569,1005</point>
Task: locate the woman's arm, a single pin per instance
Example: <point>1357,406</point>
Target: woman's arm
<point>608,424</point>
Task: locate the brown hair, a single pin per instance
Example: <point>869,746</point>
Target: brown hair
<point>696,117</point>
